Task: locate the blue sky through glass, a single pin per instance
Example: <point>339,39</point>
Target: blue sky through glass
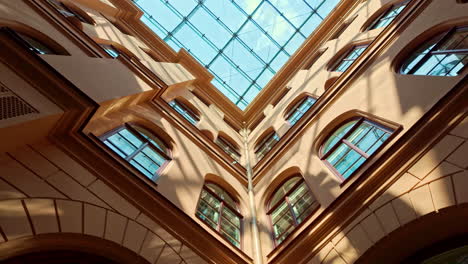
<point>243,43</point>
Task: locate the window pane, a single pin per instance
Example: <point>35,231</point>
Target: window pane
<point>208,211</point>
<point>122,143</point>
<point>446,59</point>
<point>183,111</point>
<point>210,200</point>
<point>337,136</point>
<point>347,161</point>
<point>299,110</point>
<point>228,214</point>
<point>145,161</point>
<point>283,224</point>
<point>230,229</point>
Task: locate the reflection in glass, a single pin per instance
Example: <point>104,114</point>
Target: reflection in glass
<point>138,147</point>
<point>219,210</point>
<point>444,55</point>
<point>289,206</point>
<point>352,144</point>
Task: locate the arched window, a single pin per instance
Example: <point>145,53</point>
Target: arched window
<point>266,144</point>
<point>352,144</point>
<point>346,60</point>
<point>229,147</point>
<point>31,43</point>
<point>289,205</point>
<point>219,210</point>
<point>388,16</point>
<point>139,147</point>
<point>444,55</point>
<point>187,112</point>
<point>67,11</point>
<point>299,109</point>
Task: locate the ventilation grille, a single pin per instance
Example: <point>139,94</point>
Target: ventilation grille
<point>13,106</point>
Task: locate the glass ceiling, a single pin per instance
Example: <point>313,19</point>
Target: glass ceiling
<point>243,43</point>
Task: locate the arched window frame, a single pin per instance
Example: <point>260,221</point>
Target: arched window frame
<point>285,198</point>
<point>299,108</point>
<point>343,62</point>
<point>228,147</point>
<point>266,143</point>
<point>31,42</point>
<point>150,141</point>
<point>429,53</point>
<point>387,15</point>
<point>185,111</point>
<point>217,225</point>
<point>390,130</point>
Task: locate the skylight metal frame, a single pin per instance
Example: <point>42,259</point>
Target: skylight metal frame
<point>255,79</point>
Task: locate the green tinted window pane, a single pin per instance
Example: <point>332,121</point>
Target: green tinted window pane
<point>337,135</point>
<point>280,212</point>
<point>267,33</point>
<point>229,237</point>
<point>208,211</point>
<point>207,219</point>
<point>228,214</point>
<point>211,200</point>
<point>338,154</point>
<point>446,59</point>
<point>283,224</point>
<point>230,229</point>
<point>279,194</point>
<point>347,162</point>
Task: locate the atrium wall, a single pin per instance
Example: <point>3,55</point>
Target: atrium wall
<point>57,178</point>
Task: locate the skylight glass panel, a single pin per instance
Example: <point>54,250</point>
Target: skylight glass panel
<point>243,43</point>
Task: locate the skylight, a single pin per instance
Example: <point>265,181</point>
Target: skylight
<point>243,43</point>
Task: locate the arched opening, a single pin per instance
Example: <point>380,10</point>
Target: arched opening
<point>265,143</point>
<point>443,54</point>
<point>219,210</point>
<point>228,145</point>
<point>346,56</point>
<point>186,110</point>
<point>385,15</point>
<point>298,107</point>
<point>349,143</point>
<point>31,39</point>
<point>290,204</point>
<point>140,148</point>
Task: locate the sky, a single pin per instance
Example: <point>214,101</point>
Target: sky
<point>243,43</point>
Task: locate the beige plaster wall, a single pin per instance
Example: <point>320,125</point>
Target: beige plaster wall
<point>44,191</point>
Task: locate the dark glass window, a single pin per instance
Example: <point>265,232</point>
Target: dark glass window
<point>352,144</point>
<point>289,206</point>
<point>219,210</point>
<point>34,44</point>
<point>67,12</point>
<point>349,58</point>
<point>299,109</point>
<point>266,144</point>
<point>444,55</point>
<point>387,17</point>
<point>185,111</point>
<point>228,147</point>
<point>139,147</point>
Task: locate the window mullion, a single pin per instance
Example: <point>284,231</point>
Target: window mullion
<point>131,156</point>
<point>353,147</point>
<point>291,210</point>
